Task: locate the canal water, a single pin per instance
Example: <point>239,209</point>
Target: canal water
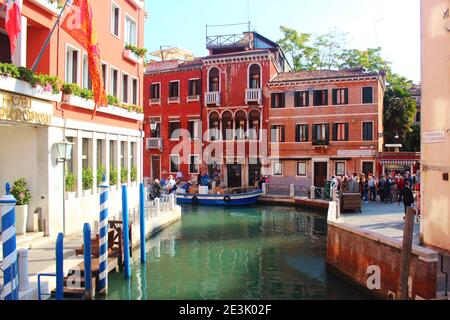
<point>234,254</point>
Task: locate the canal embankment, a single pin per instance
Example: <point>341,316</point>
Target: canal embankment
<point>42,257</point>
<point>366,249</point>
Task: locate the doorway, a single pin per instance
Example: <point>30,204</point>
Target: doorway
<point>320,174</point>
<point>234,175</point>
<point>156,167</point>
<point>367,168</point>
<point>5,53</point>
<point>253,171</point>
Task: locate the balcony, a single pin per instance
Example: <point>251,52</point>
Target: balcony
<point>51,6</point>
<point>212,98</point>
<point>322,143</point>
<point>173,100</point>
<point>253,96</point>
<point>155,101</point>
<point>154,144</point>
<point>130,55</point>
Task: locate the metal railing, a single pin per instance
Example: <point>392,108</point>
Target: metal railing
<point>40,275</point>
<point>221,41</point>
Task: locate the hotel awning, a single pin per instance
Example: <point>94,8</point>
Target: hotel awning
<point>398,162</point>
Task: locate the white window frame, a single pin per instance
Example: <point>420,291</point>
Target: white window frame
<point>207,79</point>
<point>73,48</point>
<point>127,16</point>
<point>196,97</point>
<point>106,81</point>
<point>179,88</point>
<point>260,74</point>
<point>128,87</point>
<point>362,130</point>
<point>173,121</point>
<point>306,169</point>
<point>281,168</point>
<point>190,162</point>
<point>198,129</point>
<point>114,4</point>
<point>137,90</point>
<point>362,95</point>
<point>84,82</point>
<point>111,68</point>
<point>178,163</point>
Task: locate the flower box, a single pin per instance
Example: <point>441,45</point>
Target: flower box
<point>137,3</point>
<point>79,102</point>
<point>130,55</point>
<point>47,6</point>
<point>24,88</point>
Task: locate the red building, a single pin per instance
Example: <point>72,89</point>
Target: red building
<point>220,103</point>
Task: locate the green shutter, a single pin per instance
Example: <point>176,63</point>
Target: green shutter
<point>297,133</point>
<point>273,100</point>
<point>314,132</point>
<point>346,132</point>
<point>306,133</point>
<point>296,99</point>
<point>335,96</point>
<point>307,98</point>
<point>346,95</point>
<point>326,97</point>
<point>335,128</point>
<point>327,132</point>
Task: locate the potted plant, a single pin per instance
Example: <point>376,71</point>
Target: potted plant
<point>113,178</point>
<point>22,194</point>
<point>100,172</point>
<point>124,175</point>
<point>87,181</point>
<point>70,185</point>
<point>133,174</point>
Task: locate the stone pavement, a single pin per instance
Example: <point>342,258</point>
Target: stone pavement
<point>385,219</point>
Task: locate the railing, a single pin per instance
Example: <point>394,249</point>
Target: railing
<point>154,143</point>
<point>154,207</point>
<point>174,100</point>
<point>221,41</point>
<point>253,95</point>
<point>212,98</point>
<point>40,275</point>
<point>155,101</point>
<point>291,190</point>
<point>321,143</point>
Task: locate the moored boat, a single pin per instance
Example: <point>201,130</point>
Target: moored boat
<point>232,199</point>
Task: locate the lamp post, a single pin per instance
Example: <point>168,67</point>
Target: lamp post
<point>64,149</point>
<point>153,125</point>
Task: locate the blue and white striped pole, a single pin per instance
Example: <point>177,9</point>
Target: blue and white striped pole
<point>60,267</point>
<point>8,215</point>
<point>103,250</point>
<point>87,261</point>
<point>125,233</point>
<point>142,220</point>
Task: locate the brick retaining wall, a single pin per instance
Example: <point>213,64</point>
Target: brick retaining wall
<point>351,250</point>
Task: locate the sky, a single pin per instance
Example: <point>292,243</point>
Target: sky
<point>393,25</point>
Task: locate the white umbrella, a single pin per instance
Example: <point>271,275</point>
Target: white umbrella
<point>173,53</point>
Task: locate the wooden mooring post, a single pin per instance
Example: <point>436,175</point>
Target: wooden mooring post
<point>407,244</point>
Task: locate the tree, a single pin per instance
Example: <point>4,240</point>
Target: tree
<point>369,59</point>
<point>399,112</point>
<point>294,43</point>
<point>412,141</point>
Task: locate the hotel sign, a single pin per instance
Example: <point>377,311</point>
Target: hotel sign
<point>356,153</point>
<point>18,108</point>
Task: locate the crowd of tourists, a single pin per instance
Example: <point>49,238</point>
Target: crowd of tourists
<point>388,189</point>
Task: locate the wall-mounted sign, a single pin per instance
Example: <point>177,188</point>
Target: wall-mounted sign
<point>433,137</point>
<point>18,108</point>
<point>356,153</point>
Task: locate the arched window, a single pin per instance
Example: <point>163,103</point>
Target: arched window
<point>254,122</point>
<point>214,128</point>
<point>255,76</point>
<point>227,125</point>
<point>241,124</point>
<point>213,80</point>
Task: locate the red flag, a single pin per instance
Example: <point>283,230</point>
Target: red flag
<point>13,21</point>
<point>79,23</point>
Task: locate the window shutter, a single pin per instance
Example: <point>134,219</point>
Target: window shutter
<point>306,133</point>
<point>273,100</point>
<point>326,97</point>
<point>297,99</point>
<point>346,132</point>
<point>314,132</point>
<point>346,96</point>
<point>335,129</point>
<point>282,134</point>
<point>335,96</point>
<point>283,100</point>
<point>306,93</point>
<point>297,133</point>
<point>327,132</point>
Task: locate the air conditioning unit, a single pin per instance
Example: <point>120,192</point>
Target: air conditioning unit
<point>154,143</point>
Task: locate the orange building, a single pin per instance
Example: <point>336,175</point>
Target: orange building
<point>35,119</point>
<point>324,123</point>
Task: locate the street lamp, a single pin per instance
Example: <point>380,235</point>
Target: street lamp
<point>64,149</point>
<point>153,126</point>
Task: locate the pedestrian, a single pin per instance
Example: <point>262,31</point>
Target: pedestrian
<point>373,190</point>
<point>381,187</point>
<point>407,196</point>
<point>365,188</point>
<point>156,189</point>
<point>394,190</point>
<point>171,184</point>
<point>387,190</point>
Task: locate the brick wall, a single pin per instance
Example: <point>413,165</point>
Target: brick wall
<point>352,250</point>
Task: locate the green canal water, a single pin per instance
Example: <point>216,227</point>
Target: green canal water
<point>233,254</point>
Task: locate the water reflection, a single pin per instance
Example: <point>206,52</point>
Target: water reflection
<point>248,253</point>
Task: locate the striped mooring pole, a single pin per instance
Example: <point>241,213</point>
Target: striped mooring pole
<point>125,234</point>
<point>60,267</point>
<point>142,220</point>
<point>103,245</point>
<point>87,261</point>
<point>8,215</point>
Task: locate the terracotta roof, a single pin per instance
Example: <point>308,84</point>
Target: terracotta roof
<point>322,74</point>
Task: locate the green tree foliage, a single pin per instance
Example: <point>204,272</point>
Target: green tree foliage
<point>399,112</point>
<point>412,141</point>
